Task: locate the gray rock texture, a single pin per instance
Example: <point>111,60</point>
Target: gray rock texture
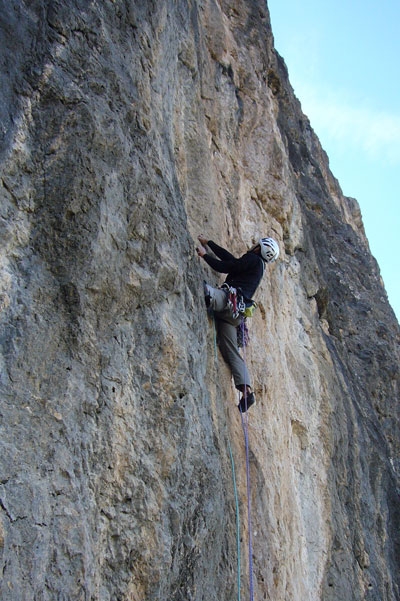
<point>128,128</point>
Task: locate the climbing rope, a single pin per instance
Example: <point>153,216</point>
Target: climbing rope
<point>234,481</point>
<point>237,518</point>
<point>245,427</point>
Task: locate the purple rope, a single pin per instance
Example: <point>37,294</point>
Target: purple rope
<point>245,426</point>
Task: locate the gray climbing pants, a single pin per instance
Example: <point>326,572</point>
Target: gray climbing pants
<point>227,336</point>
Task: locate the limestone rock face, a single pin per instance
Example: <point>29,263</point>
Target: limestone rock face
<point>128,128</point>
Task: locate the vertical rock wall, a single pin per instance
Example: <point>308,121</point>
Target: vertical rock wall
<point>127,129</point>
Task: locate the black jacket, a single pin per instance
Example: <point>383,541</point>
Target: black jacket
<point>244,273</point>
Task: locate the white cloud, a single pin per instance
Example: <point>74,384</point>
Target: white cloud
<point>376,133</point>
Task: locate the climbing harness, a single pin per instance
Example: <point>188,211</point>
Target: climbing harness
<point>235,301</point>
<point>238,304</point>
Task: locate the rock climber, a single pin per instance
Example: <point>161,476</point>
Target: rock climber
<point>244,276</point>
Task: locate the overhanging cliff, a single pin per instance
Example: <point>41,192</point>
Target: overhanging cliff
<point>128,128</point>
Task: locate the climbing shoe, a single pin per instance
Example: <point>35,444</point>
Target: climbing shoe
<point>246,402</point>
<point>207,295</point>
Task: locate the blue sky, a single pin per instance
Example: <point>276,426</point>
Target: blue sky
<point>343,60</point>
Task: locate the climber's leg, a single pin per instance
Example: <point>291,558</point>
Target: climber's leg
<point>227,341</point>
<point>215,298</point>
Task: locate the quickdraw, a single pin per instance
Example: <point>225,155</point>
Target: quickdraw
<point>238,304</point>
<point>234,302</point>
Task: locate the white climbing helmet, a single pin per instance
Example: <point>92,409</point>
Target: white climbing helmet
<point>269,249</point>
